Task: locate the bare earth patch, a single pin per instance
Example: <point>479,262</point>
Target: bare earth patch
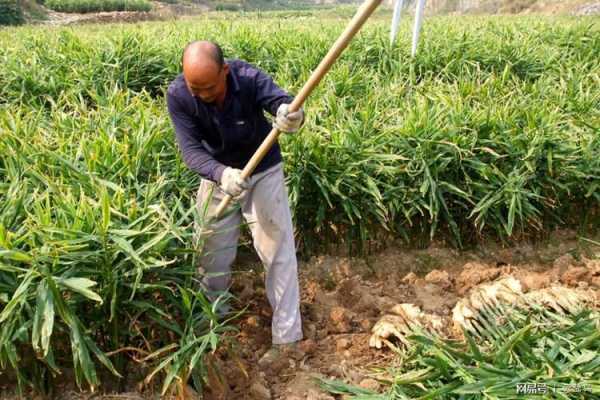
<point>343,297</point>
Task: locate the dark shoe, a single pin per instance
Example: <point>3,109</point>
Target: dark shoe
<point>279,354</point>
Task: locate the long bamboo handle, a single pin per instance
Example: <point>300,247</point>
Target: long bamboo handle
<point>336,49</point>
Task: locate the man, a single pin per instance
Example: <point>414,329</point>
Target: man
<point>217,110</point>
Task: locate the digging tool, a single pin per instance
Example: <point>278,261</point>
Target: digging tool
<point>340,44</point>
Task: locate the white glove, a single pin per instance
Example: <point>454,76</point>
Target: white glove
<point>287,121</point>
<point>232,182</point>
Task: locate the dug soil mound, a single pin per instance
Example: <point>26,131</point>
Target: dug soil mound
<point>342,298</point>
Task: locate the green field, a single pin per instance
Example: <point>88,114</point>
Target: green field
<point>87,6</point>
<point>492,131</point>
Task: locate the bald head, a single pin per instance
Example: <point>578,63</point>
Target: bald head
<point>205,71</point>
<point>203,50</point>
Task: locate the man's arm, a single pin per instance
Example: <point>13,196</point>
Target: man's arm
<point>192,151</point>
<point>268,94</point>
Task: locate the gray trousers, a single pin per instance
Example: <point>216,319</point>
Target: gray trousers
<point>265,208</point>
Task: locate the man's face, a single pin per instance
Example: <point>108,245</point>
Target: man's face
<point>207,82</point>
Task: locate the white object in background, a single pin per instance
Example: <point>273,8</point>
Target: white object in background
<point>418,22</point>
<point>396,20</point>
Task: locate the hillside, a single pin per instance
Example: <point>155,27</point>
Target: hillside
<point>433,6</point>
<point>19,11</point>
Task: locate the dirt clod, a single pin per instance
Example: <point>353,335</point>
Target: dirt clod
<point>366,325</point>
<point>369,384</point>
<point>574,275</point>
<point>473,274</point>
<point>342,344</point>
<point>310,332</point>
<point>253,321</point>
<point>259,391</point>
<point>563,262</point>
<point>307,346</point>
<point>410,278</point>
<point>593,266</point>
<point>531,280</point>
<point>440,278</point>
<point>339,320</point>
<point>315,394</point>
<point>433,298</point>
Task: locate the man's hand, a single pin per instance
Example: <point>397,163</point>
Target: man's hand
<point>287,121</point>
<point>232,182</point>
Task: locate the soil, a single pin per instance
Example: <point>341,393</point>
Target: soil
<point>573,7</point>
<point>160,11</point>
<point>165,11</point>
<point>588,9</point>
<point>343,297</point>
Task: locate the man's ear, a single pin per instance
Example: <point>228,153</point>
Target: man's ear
<point>226,68</point>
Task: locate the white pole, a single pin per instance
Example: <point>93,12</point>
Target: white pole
<point>418,23</point>
<point>396,20</point>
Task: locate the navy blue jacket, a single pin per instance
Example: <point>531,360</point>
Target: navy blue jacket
<point>210,139</point>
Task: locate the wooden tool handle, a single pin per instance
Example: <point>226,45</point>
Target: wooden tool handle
<point>336,49</point>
